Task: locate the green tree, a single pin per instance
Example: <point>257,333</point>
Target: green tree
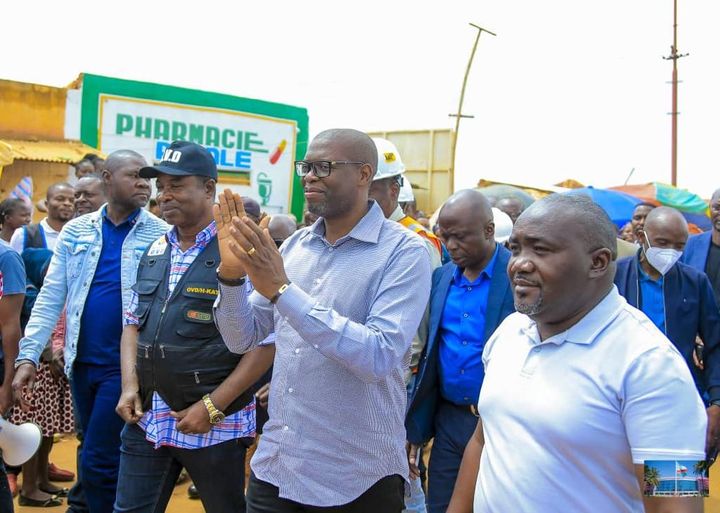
<point>652,479</point>
<point>700,468</point>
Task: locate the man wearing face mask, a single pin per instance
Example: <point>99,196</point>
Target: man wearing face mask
<point>679,300</point>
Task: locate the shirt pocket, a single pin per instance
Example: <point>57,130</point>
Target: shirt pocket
<point>145,290</point>
<point>77,255</point>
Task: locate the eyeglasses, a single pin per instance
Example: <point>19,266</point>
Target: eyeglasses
<point>321,168</point>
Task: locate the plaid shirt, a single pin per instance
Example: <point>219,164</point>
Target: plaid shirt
<point>160,428</point>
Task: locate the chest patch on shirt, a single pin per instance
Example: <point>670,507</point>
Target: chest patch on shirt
<point>158,247</point>
<point>201,291</point>
<point>198,316</point>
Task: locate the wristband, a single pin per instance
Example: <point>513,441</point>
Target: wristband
<point>229,283</point>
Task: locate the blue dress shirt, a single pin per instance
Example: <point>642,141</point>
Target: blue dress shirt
<point>101,323</point>
<point>343,333</point>
<point>461,336</point>
<point>652,301</point>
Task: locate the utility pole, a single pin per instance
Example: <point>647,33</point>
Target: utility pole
<point>674,56</point>
<point>459,114</point>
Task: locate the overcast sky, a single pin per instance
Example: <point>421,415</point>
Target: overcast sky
<point>567,89</point>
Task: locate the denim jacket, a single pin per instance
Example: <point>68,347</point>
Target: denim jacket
<point>71,273</point>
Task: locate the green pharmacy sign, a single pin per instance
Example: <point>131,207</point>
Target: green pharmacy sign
<point>254,142</point>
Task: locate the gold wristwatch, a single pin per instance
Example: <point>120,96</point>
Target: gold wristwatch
<point>279,293</point>
<point>216,416</point>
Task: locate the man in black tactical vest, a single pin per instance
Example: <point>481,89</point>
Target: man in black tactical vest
<point>185,398</point>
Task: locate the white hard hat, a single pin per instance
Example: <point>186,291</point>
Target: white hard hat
<point>503,225</point>
<point>406,192</point>
<point>389,162</point>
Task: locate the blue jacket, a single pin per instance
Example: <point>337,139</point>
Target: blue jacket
<point>696,251</point>
<point>690,310</point>
<point>420,421</point>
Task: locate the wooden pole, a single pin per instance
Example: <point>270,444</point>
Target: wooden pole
<point>460,104</point>
<point>673,153</point>
<point>674,56</point>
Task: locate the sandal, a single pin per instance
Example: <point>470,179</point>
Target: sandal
<point>36,503</point>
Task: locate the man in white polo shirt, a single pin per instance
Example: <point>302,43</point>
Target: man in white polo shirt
<point>580,388</point>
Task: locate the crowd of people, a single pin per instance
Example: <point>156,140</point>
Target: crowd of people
<point>506,358</point>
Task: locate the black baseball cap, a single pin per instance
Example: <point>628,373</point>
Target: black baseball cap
<point>183,158</point>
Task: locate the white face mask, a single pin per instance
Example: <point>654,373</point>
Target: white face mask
<point>661,259</point>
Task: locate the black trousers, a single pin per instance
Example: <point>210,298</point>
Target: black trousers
<point>148,475</point>
<point>385,496</point>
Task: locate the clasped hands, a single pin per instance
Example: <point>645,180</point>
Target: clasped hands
<point>247,249</point>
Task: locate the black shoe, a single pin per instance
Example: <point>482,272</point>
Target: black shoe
<point>62,492</point>
<point>192,492</point>
<point>35,503</point>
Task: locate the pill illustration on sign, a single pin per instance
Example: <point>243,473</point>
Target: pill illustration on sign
<point>275,155</point>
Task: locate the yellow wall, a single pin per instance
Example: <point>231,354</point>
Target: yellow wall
<point>32,111</point>
<point>426,155</point>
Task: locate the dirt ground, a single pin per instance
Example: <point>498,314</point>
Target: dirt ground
<point>63,455</point>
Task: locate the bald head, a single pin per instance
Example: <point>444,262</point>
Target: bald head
<point>341,191</point>
<point>89,194</point>
<point>124,187</point>
<point>562,265</point>
<point>715,211</point>
<point>665,215</point>
<point>467,228</point>
<point>576,212</point>
<point>357,145</point>
<point>471,202</point>
<point>281,226</point>
<point>665,227</point>
<point>512,206</point>
<point>252,208</point>
<point>88,181</point>
<point>121,158</point>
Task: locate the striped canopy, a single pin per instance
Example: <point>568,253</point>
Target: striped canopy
<point>692,206</point>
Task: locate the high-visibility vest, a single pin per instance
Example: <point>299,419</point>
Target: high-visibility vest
<point>411,224</point>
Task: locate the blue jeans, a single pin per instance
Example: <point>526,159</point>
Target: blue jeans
<point>76,496</point>
<point>148,475</point>
<point>454,425</point>
<point>96,390</point>
<point>414,494</point>
<point>414,497</point>
<point>76,501</point>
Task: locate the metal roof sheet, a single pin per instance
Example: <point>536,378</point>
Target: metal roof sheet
<point>44,151</point>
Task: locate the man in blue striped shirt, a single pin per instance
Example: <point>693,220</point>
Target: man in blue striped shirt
<point>344,298</point>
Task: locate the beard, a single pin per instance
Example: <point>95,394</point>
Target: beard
<point>318,209</point>
<point>330,208</point>
<point>530,309</point>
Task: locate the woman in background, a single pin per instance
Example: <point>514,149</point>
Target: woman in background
<point>14,213</point>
